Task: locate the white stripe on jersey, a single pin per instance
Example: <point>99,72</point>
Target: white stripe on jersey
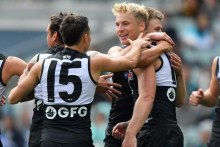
<point>164,74</point>
<point>88,86</point>
<point>37,90</point>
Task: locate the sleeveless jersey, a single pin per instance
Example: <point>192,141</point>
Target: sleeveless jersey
<point>216,122</point>
<point>2,84</point>
<point>40,57</point>
<point>68,91</point>
<point>164,109</point>
<point>122,107</point>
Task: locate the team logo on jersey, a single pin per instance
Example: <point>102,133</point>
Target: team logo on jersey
<point>130,75</point>
<point>64,112</point>
<point>51,112</point>
<point>66,57</point>
<point>171,94</point>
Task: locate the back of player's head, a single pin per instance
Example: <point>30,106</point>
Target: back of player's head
<point>73,27</point>
<point>55,22</point>
<point>138,11</point>
<point>154,14</point>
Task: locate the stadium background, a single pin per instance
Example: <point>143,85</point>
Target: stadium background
<point>193,24</point>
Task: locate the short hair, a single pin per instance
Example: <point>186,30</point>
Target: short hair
<point>73,27</point>
<point>138,11</point>
<point>55,22</point>
<point>154,14</point>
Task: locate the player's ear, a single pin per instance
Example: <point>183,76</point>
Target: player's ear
<point>85,37</point>
<point>142,26</point>
<point>55,36</point>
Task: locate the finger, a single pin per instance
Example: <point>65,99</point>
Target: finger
<point>147,44</point>
<point>30,65</point>
<point>193,102</point>
<point>114,85</point>
<point>200,91</point>
<point>108,96</point>
<point>141,35</point>
<point>130,41</point>
<point>169,39</point>
<point>112,95</point>
<point>121,137</point>
<point>106,76</point>
<point>115,91</point>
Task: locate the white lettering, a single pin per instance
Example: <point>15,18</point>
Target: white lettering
<point>82,111</point>
<point>63,112</point>
<point>73,111</point>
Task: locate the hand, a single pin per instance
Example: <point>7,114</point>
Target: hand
<point>129,142</point>
<point>165,45</point>
<point>28,68</point>
<point>144,42</point>
<point>196,97</point>
<point>176,63</point>
<point>3,101</point>
<point>160,36</point>
<point>119,130</point>
<point>30,65</point>
<point>106,87</point>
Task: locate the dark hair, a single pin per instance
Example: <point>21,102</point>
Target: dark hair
<point>73,27</point>
<point>55,22</point>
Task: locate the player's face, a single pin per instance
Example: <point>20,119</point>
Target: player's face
<point>127,26</point>
<point>50,39</point>
<point>154,25</point>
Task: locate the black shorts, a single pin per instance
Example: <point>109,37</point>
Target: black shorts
<point>160,136</point>
<point>55,144</point>
<point>110,141</point>
<point>35,135</point>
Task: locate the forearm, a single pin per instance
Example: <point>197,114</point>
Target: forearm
<point>150,55</point>
<point>134,55</point>
<point>141,112</point>
<point>181,91</point>
<point>29,97</point>
<point>209,100</point>
<point>15,96</point>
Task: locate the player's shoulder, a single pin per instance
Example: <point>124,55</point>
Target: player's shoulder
<point>114,49</point>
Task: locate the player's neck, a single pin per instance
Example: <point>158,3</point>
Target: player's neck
<point>76,47</point>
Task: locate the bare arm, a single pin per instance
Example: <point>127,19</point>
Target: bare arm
<point>209,97</point>
<point>150,55</point>
<point>181,87</point>
<point>13,66</point>
<point>147,88</point>
<point>129,61</point>
<point>26,86</point>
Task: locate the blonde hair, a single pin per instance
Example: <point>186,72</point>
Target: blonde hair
<point>139,11</point>
<point>154,14</point>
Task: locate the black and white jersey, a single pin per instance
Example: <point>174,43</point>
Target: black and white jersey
<point>68,91</point>
<point>164,109</point>
<point>122,107</point>
<point>40,57</point>
<point>38,109</point>
<point>2,84</point>
<point>216,122</point>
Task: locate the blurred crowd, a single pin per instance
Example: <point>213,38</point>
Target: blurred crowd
<point>195,28</point>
